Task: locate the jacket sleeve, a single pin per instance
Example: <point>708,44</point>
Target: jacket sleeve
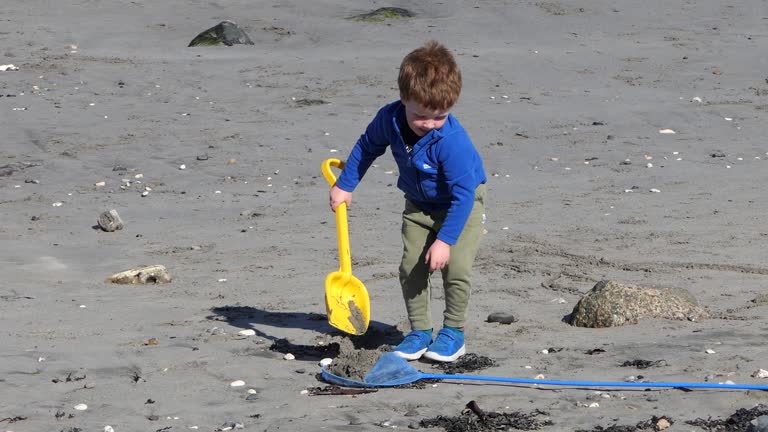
<point>458,158</point>
<point>371,144</point>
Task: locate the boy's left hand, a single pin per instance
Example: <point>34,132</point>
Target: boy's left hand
<point>438,255</point>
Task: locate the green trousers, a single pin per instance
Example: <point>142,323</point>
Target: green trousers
<point>419,231</point>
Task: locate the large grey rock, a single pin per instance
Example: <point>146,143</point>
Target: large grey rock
<point>611,304</point>
<point>224,33</point>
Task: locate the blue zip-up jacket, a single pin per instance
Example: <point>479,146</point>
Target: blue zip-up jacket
<point>441,172</point>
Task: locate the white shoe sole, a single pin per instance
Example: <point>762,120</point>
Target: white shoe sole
<point>413,356</point>
<point>441,358</point>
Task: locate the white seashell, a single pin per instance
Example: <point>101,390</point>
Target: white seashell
<point>649,165</point>
<point>654,190</point>
<point>505,228</point>
<point>289,356</point>
<point>628,190</point>
<point>305,391</point>
<point>145,193</point>
<point>594,405</point>
<point>333,150</point>
<point>248,332</point>
<point>101,183</point>
<point>710,351</point>
<point>108,428</point>
<point>326,361</point>
<point>545,351</point>
<point>666,131</point>
<point>727,119</point>
<point>554,159</point>
<point>182,166</point>
<point>528,367</point>
<point>57,204</point>
<point>251,391</point>
<point>138,176</point>
<point>222,280</point>
<point>696,99</point>
<point>238,383</point>
<point>81,407</point>
<point>8,67</point>
<point>760,373</point>
<point>539,377</point>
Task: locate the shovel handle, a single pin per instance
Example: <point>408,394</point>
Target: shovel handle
<point>342,227</point>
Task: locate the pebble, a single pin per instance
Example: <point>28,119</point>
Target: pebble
<point>662,424</point>
<point>289,356</point>
<point>252,391</point>
<point>248,332</point>
<point>760,373</point>
<point>501,317</point>
<point>238,383</point>
<point>710,351</point>
<point>182,167</point>
<point>252,397</point>
<point>81,407</point>
<point>326,361</point>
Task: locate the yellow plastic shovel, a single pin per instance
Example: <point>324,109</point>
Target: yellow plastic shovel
<point>346,299</point>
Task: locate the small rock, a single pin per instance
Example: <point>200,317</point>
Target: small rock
<point>110,221</point>
<point>289,356</point>
<point>710,351</point>
<point>501,317</point>
<point>247,332</point>
<point>238,383</point>
<point>252,397</point>
<point>760,373</point>
<point>759,424</point>
<point>224,33</point>
<point>152,341</point>
<point>326,362</point>
<point>100,184</point>
<point>717,154</point>
<point>182,167</point>
<point>202,157</point>
<point>142,275</point>
<point>252,391</point>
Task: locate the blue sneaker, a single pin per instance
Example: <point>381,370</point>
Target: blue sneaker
<point>414,345</point>
<point>448,346</point>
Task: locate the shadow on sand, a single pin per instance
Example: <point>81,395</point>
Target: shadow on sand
<point>248,317</point>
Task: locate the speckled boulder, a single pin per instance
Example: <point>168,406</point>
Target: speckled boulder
<point>611,304</point>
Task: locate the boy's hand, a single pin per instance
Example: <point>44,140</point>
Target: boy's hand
<point>438,255</point>
<point>338,196</point>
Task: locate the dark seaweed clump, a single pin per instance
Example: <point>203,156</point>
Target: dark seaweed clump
<point>737,422</point>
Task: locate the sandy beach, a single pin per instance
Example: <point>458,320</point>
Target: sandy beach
<point>623,140</point>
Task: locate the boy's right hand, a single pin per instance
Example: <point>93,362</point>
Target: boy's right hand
<point>338,196</point>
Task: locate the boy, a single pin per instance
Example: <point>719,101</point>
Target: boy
<point>443,179</point>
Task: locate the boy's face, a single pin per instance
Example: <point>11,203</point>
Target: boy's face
<point>422,120</point>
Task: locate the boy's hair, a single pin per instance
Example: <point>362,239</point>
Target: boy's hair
<point>430,77</point>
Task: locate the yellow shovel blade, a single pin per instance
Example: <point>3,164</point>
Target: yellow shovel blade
<point>347,303</point>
